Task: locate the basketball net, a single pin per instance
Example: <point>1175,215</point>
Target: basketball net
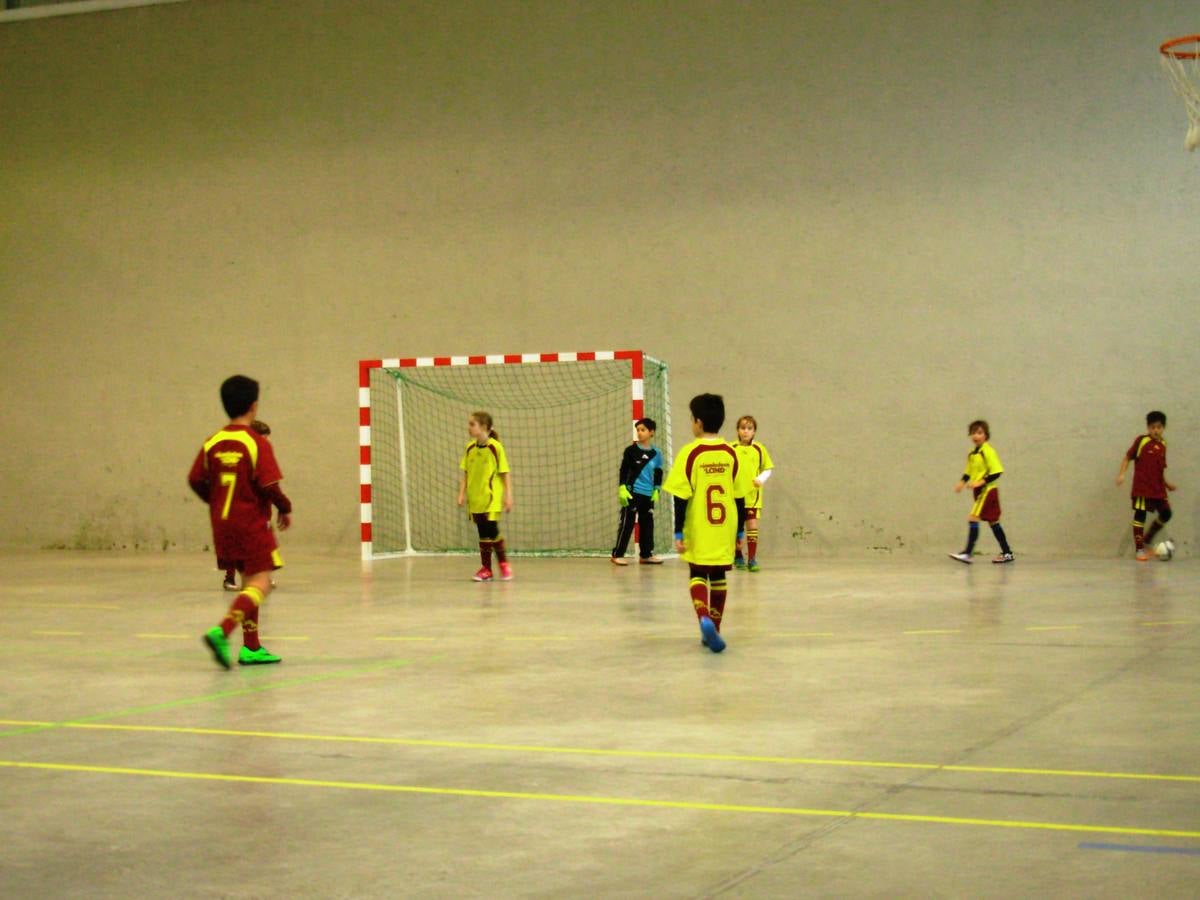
<point>1180,59</point>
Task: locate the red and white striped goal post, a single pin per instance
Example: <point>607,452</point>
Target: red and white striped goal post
<point>635,358</point>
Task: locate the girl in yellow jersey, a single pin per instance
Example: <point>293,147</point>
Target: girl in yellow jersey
<point>709,513</point>
<point>485,486</point>
<point>754,468</point>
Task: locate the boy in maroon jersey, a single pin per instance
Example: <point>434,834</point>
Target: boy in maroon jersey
<point>236,474</point>
<point>1148,453</point>
<point>230,583</point>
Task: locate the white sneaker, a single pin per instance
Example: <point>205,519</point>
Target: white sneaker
<point>961,557</point>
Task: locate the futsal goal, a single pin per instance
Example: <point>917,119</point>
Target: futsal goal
<point>564,420</point>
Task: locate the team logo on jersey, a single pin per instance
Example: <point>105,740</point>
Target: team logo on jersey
<point>714,468</point>
<point>229,458</point>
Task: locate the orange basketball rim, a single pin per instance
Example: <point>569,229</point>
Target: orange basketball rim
<point>1181,61</point>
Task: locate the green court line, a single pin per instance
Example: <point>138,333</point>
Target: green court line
<point>596,751</point>
<point>206,698</point>
<point>753,634</point>
<point>603,801</point>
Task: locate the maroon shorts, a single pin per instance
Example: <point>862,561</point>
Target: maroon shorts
<point>987,507</point>
<point>1152,504</point>
<point>263,562</point>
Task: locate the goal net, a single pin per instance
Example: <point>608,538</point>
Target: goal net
<point>564,420</point>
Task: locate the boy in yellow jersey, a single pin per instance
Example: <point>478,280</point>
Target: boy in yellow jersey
<point>982,472</point>
<point>709,513</point>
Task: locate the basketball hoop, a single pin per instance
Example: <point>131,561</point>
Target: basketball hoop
<point>1181,61</point>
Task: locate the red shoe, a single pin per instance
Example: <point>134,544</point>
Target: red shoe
<point>505,572</point>
<point>484,574</point>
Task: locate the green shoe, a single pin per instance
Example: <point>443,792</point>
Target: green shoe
<point>216,641</point>
<point>260,657</point>
<point>752,565</point>
<point>739,562</point>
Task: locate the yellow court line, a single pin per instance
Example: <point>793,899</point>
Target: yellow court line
<point>1052,627</point>
<point>74,605</point>
<point>802,634</point>
<point>1177,622</point>
<point>604,801</point>
<point>405,639</point>
<point>597,751</point>
<point>936,631</point>
<point>60,633</point>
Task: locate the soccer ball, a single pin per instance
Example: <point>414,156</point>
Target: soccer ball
<point>1165,550</point>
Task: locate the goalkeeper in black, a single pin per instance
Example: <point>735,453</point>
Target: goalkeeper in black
<point>640,478</point>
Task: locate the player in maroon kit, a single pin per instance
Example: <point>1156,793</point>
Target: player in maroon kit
<point>236,474</point>
<point>1148,453</point>
<point>230,583</point>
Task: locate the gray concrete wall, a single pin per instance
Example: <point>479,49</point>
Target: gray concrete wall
<point>865,223</point>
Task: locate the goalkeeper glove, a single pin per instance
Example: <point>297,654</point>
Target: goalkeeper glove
<point>623,495</point>
<point>654,496</point>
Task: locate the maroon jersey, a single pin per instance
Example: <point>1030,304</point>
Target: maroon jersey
<point>1149,466</point>
<point>233,470</point>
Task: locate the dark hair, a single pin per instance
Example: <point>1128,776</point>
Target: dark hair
<point>709,411</point>
<point>1156,417</point>
<point>980,423</point>
<point>649,423</point>
<point>238,394</point>
<point>485,419</point>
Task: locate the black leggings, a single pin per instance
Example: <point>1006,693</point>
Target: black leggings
<point>641,510</point>
<point>489,529</point>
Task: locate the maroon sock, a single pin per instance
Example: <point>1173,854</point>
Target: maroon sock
<point>250,631</point>
<point>485,553</point>
<point>698,588</point>
<point>1152,531</point>
<point>716,600</point>
<point>243,609</point>
<point>501,556</point>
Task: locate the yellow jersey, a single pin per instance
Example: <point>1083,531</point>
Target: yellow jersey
<point>982,462</point>
<point>753,460</point>
<point>484,464</point>
<point>705,473</point>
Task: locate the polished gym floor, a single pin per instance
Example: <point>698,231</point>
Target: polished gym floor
<point>876,728</point>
